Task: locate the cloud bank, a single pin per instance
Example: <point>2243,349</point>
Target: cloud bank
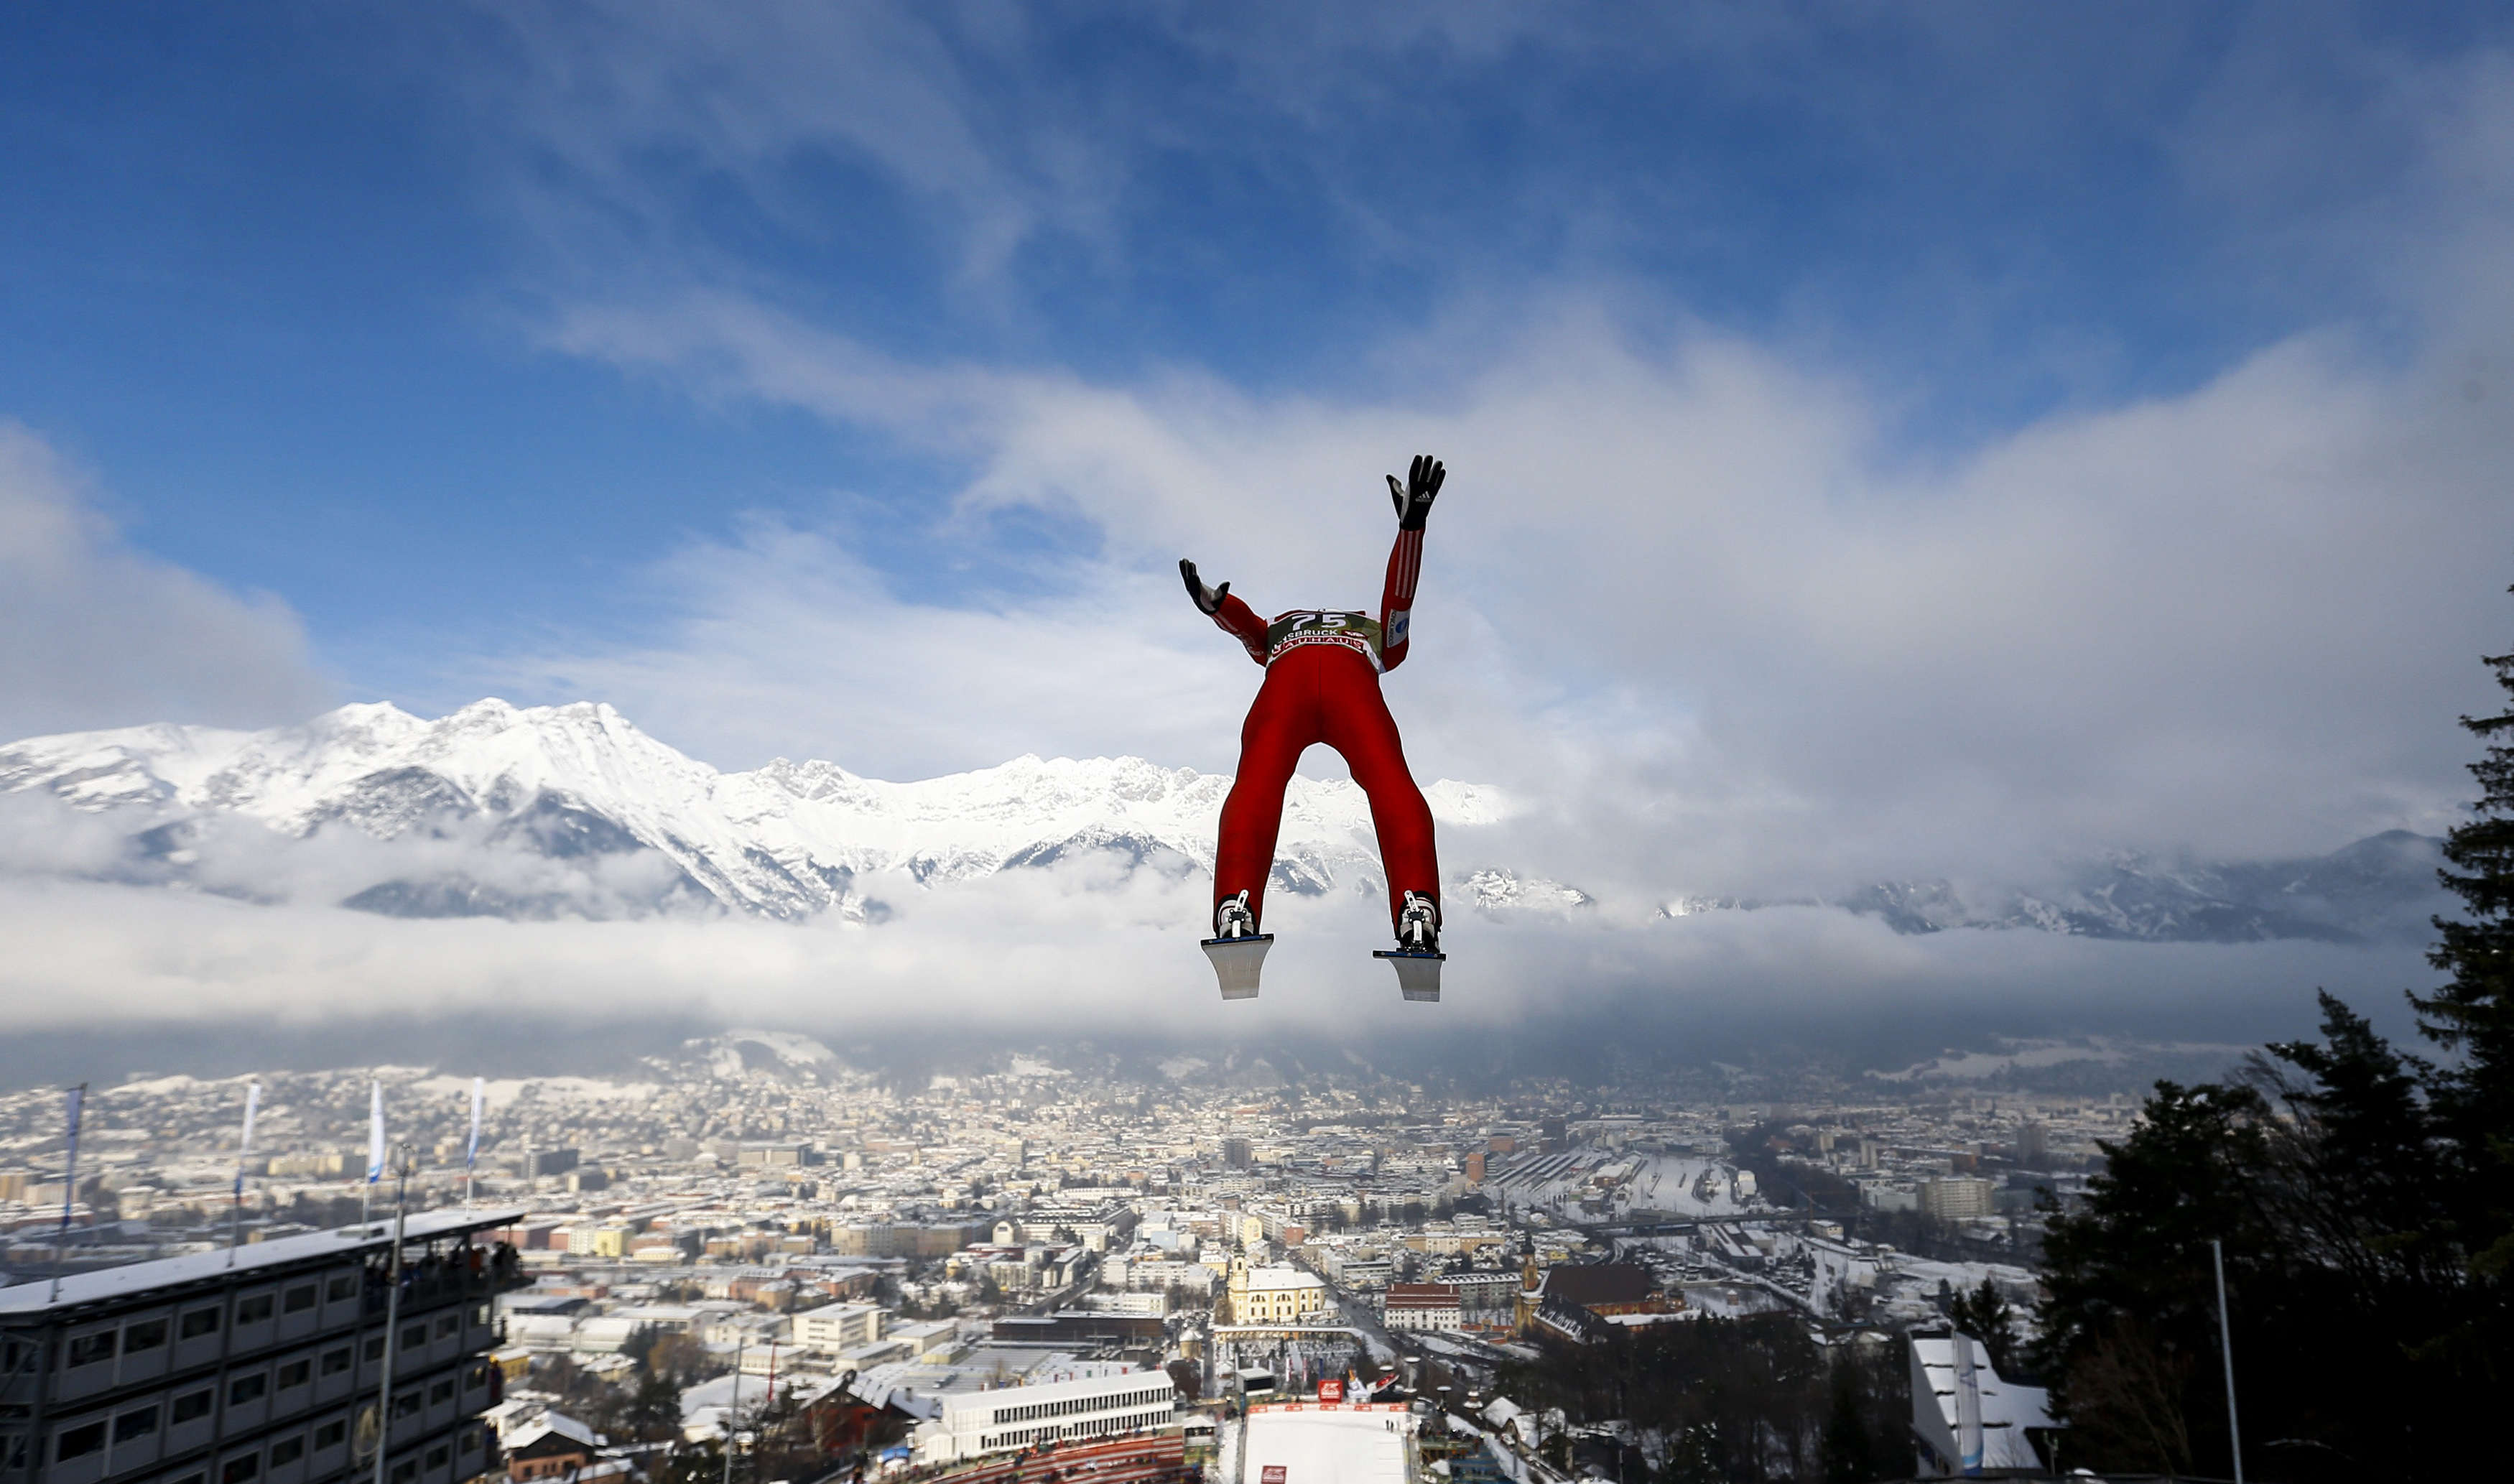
<point>1036,956</point>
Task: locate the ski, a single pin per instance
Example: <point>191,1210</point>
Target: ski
<point>1418,974</point>
<point>1235,962</point>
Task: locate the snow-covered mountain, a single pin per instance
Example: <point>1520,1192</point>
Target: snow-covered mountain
<point>572,812</point>
<point>549,811</point>
<point>2382,888</point>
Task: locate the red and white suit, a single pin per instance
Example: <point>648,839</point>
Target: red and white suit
<point>1322,673</point>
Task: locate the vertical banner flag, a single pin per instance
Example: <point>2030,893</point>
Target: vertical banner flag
<point>69,1163</point>
<point>471,1154</point>
<point>375,1131</point>
<point>244,1145</point>
<point>69,1183</point>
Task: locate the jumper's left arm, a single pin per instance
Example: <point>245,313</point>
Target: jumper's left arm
<point>1397,599</point>
<point>1413,501</point>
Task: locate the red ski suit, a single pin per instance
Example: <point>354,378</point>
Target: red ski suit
<point>1322,685</point>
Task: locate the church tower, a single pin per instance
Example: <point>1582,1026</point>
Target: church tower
<point>1531,1287</point>
<point>1239,1289</point>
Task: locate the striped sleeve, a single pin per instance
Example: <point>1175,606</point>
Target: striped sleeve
<point>1240,621</point>
<point>1397,602</point>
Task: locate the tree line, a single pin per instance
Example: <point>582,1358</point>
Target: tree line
<point>1743,1399</point>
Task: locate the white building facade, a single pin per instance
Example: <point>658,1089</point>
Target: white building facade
<point>976,1422</point>
<point>1275,1294</point>
<point>1422,1306</point>
<point>834,1327</point>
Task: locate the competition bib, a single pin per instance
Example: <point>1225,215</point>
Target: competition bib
<point>1356,632</point>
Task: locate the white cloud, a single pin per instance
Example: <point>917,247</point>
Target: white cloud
<point>1690,588</point>
<point>1685,591</point>
<point>98,634</point>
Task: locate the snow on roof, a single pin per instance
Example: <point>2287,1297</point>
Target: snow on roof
<point>2007,1408</point>
<point>552,1423</point>
<point>1281,1275</point>
<point>132,1279</point>
<point>1314,1446</point>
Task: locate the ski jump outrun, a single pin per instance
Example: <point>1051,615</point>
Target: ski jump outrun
<point>1322,670</point>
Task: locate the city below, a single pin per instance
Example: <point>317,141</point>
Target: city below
<point>841,1272</point>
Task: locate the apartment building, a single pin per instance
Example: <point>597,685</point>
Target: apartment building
<point>836,1327</point>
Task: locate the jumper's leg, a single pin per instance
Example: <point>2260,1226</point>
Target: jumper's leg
<point>1282,722</point>
<point>1360,726</point>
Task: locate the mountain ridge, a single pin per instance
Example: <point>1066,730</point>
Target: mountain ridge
<point>580,782</point>
<point>572,811</point>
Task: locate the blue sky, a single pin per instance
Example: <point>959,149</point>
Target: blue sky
<point>1886,442</point>
<point>276,273</point>
<point>522,348</point>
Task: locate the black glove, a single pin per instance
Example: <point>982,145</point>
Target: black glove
<point>1208,599</point>
<point>1413,498</point>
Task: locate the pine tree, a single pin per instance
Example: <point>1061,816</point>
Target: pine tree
<point>1849,1455</point>
<point>1985,1315</point>
<point>2473,1015</point>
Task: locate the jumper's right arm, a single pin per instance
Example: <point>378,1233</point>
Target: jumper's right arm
<point>1230,615</point>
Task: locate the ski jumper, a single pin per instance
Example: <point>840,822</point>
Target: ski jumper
<point>1322,685</point>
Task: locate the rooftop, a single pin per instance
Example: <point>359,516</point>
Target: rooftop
<point>108,1284</point>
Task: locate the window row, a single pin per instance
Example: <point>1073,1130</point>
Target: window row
<point>1077,1405</point>
<point>143,1336</point>
<point>139,1337</point>
<point>244,1390</point>
<point>332,1433</point>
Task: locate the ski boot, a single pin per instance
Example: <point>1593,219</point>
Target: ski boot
<point>1417,957</point>
<point>1237,948</point>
